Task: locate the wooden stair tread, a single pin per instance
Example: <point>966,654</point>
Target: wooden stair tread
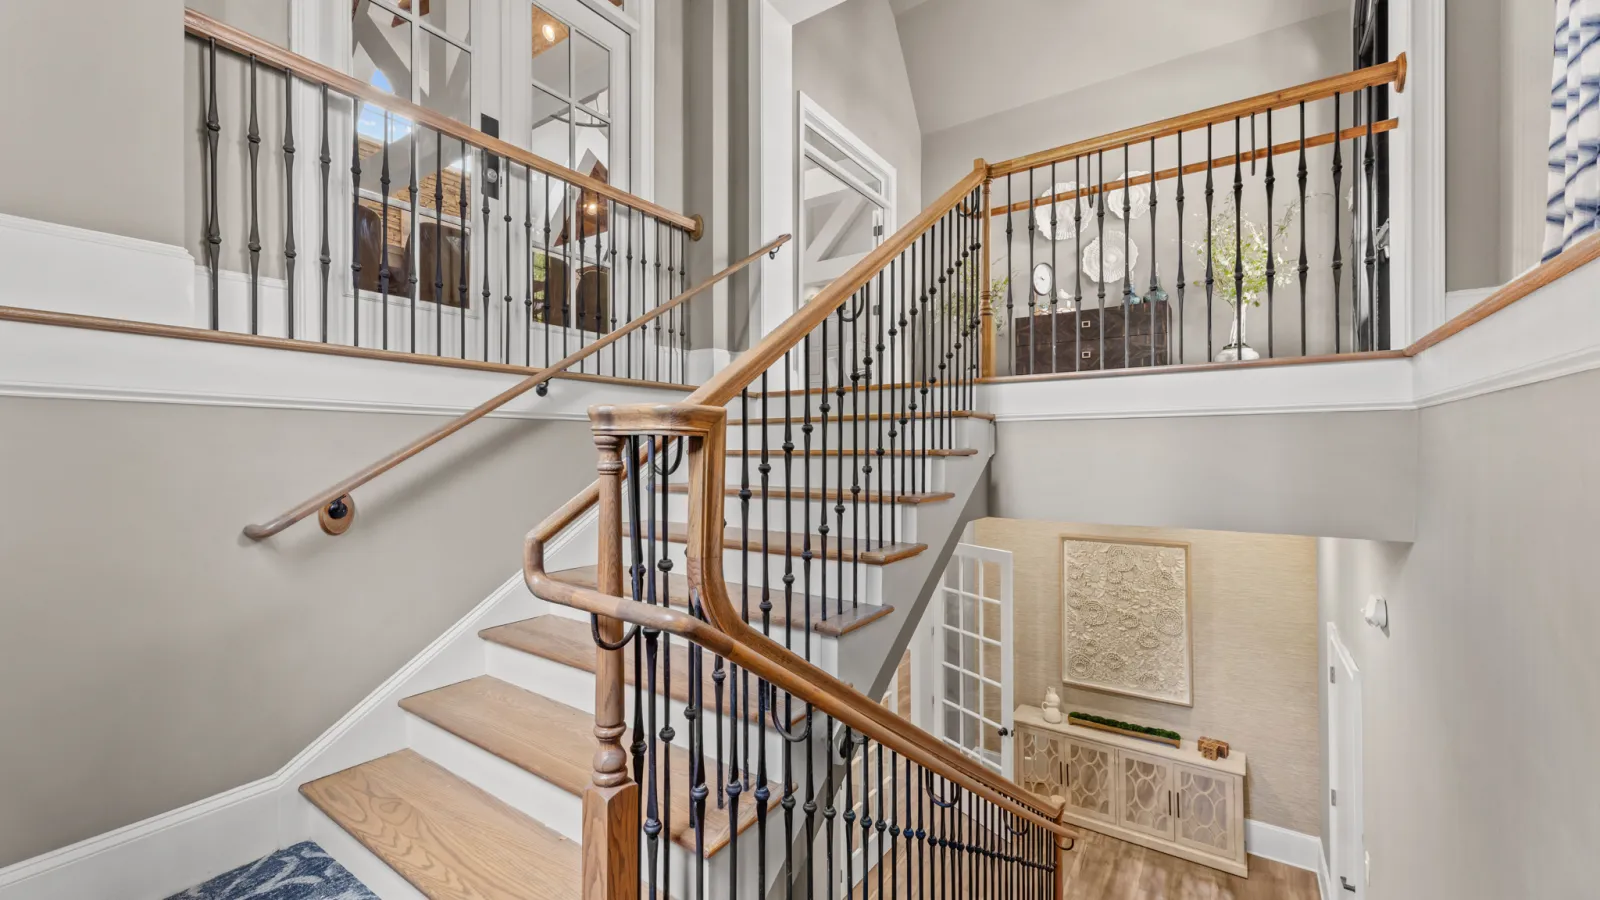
<point>878,553</point>
<point>857,451</point>
<point>798,493</point>
<point>816,418</point>
<point>449,839</point>
<point>834,625</point>
<point>557,743</point>
<point>570,643</point>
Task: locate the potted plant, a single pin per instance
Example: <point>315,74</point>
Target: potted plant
<point>1252,259</point>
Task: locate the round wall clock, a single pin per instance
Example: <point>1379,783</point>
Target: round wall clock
<point>1044,279</point>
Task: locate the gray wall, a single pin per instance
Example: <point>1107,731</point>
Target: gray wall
<point>848,60</point>
<point>1497,88</point>
<point>1482,700</point>
<point>152,656</point>
<point>92,107</point>
<point>1346,474</point>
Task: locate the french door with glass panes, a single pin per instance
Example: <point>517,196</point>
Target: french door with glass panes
<point>552,77</point>
<point>972,645</point>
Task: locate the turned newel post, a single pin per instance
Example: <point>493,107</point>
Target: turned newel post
<point>611,802</point>
<point>986,362</point>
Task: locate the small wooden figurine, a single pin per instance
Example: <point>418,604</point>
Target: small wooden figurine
<point>1211,748</point>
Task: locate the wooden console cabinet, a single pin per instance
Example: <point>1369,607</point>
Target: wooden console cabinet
<point>1172,800</point>
<point>1133,336</point>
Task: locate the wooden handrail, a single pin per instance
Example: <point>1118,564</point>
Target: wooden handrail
<point>203,26</point>
<point>323,498</point>
<point>736,640</point>
<point>726,384</point>
<point>1220,162</point>
<point>1384,73</point>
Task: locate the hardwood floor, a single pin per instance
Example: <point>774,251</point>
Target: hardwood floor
<point>1104,868</point>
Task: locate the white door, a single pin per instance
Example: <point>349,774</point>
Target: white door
<point>972,646</point>
<point>1344,769</point>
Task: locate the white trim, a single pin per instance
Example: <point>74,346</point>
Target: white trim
<point>72,363</point>
<point>1458,302</point>
<point>66,269</point>
<point>1292,848</point>
<point>1324,879</point>
<point>1347,687</point>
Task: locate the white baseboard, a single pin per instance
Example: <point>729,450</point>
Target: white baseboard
<point>164,854</point>
<point>75,270</point>
<point>1292,848</point>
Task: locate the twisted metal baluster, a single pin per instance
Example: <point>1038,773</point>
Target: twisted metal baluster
<point>289,250</point>
<point>253,138</point>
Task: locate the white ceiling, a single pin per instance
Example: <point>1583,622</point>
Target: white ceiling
<point>972,58</point>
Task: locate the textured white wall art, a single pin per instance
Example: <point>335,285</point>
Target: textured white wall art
<point>1125,618</point>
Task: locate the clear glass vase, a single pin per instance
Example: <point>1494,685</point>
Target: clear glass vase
<point>1237,350</point>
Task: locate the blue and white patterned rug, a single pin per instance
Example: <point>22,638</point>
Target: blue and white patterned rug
<point>302,872</point>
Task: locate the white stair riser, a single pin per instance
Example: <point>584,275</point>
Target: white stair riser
<point>362,863</point>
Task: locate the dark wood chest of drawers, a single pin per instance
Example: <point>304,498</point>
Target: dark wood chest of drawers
<point>1135,335</point>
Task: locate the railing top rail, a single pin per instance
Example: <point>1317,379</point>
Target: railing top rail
<point>726,384</point>
<point>1384,73</point>
<point>203,26</point>
<point>323,498</point>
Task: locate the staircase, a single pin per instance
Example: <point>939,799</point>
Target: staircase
<point>485,800</point>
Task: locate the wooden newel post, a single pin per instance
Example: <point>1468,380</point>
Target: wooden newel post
<point>986,354</point>
<point>611,802</point>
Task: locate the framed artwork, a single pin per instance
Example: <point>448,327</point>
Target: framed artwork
<point>1125,618</point>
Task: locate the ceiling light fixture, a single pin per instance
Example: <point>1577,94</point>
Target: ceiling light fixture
<point>549,32</point>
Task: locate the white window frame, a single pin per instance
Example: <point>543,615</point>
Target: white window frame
<point>810,114</point>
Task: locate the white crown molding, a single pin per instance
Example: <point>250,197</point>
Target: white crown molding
<point>1292,848</point>
<point>161,855</point>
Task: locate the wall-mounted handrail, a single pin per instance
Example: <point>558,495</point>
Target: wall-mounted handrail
<point>1393,71</point>
<point>321,499</point>
<point>203,26</point>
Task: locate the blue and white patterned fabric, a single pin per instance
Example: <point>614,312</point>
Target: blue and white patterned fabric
<point>1574,178</point>
<point>302,872</point>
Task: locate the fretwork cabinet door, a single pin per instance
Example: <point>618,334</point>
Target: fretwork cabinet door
<point>1091,780</point>
<point>1210,812</point>
<point>1040,762</point>
<point>1145,800</point>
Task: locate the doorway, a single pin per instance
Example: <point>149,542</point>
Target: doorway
<point>1346,838</point>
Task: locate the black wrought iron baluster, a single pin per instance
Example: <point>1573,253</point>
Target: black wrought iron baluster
<point>1127,262</point>
<point>824,406</point>
<point>1033,294</point>
<point>527,260</point>
<point>253,138</point>
<point>383,239</point>
<point>810,806</point>
<point>632,286</point>
<point>326,259</point>
<point>895,815</point>
<point>483,190</point>
<point>880,826</point>
<point>886,379</point>
<point>850,813</point>
<point>549,289</point>
<point>897,356</point>
<point>660,296</point>
<point>930,255</point>
<point>1337,265</point>
<point>652,820</point>
<point>839,392</point>
<point>1211,275</point>
<point>828,811</point>
<point>1272,259</point>
<point>1180,283</point>
<point>673,369</point>
<point>1305,263</point>
<point>569,283</point>
<point>667,733</point>
<point>1077,262</point>
<point>1055,269</point>
<point>414,249</point>
<point>611,278</point>
<point>1100,264</point>
<point>762,794</point>
<point>289,250</point>
<point>1011,345</point>
<point>355,227</point>
<point>1368,164</point>
<point>788,801</point>
<point>947,325</point>
<point>464,215</point>
<point>213,126</point>
<point>1238,243</point>
<point>695,713</point>
<point>438,243</point>
<point>1155,360</point>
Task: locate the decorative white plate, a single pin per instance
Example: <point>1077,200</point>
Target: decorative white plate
<point>1138,196</point>
<point>1063,228</point>
<point>1116,244</point>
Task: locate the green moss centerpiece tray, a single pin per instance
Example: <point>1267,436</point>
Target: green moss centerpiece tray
<point>1101,723</point>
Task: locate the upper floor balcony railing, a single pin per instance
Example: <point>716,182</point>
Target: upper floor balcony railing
<point>1256,229</point>
<point>327,209</point>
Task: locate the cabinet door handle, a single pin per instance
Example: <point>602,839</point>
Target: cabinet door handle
<point>1169,803</point>
<point>1085,324</point>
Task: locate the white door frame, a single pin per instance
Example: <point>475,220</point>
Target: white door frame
<point>1345,798</point>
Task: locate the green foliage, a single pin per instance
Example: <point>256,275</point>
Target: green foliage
<point>1224,249</point>
<point>1125,726</point>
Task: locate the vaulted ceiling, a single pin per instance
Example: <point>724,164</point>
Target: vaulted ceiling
<point>971,58</point>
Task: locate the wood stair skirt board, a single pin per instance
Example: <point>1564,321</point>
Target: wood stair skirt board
<point>557,743</point>
<point>794,545</point>
<point>570,643</point>
<point>963,451</point>
<point>823,621</point>
<point>446,837</point>
<point>778,493</point>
